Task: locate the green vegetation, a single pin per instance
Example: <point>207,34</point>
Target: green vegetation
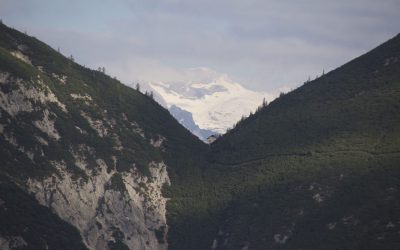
<point>117,183</point>
<point>118,243</point>
<point>315,169</point>
<point>111,101</point>
<point>21,215</point>
<point>104,121</point>
<point>318,168</point>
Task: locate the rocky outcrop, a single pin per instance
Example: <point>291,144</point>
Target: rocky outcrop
<point>24,94</point>
<point>14,242</point>
<point>88,152</point>
<point>109,207</point>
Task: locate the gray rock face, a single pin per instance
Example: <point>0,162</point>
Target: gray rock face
<point>103,214</point>
<point>107,206</point>
<point>186,119</point>
<point>15,242</point>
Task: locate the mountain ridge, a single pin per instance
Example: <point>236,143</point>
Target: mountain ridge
<point>317,168</point>
<point>216,104</point>
<point>107,167</point>
<point>186,119</point>
<point>89,149</point>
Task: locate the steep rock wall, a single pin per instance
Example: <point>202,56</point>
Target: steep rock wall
<point>106,212</point>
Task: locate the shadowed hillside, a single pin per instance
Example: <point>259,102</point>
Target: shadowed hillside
<point>318,168</point>
<point>87,162</point>
<point>91,150</point>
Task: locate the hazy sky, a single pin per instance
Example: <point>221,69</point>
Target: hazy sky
<point>261,44</point>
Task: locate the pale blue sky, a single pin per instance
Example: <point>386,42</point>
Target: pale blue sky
<point>261,44</point>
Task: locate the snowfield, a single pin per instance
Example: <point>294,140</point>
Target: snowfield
<point>215,105</point>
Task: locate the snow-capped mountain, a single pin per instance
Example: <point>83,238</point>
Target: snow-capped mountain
<point>216,103</point>
<point>186,119</point>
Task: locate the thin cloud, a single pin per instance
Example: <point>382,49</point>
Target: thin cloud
<point>261,44</point>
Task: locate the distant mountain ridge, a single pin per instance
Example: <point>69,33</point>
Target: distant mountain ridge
<point>83,157</point>
<point>89,163</point>
<point>186,119</point>
<point>216,104</point>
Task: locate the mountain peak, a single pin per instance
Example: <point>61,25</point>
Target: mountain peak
<point>216,105</point>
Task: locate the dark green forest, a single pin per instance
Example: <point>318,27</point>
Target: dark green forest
<point>317,168</point>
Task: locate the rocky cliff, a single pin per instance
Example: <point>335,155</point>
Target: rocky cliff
<point>88,163</point>
<point>83,145</point>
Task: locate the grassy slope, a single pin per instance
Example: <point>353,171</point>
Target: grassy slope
<point>182,151</point>
<point>337,137</point>
<point>347,108</point>
<point>337,140</point>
